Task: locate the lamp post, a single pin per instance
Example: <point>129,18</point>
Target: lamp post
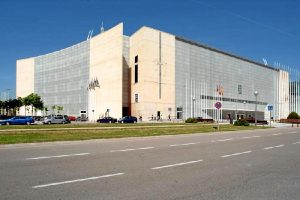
<point>194,99</point>
<point>255,114</point>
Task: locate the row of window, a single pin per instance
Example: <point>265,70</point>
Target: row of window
<point>232,100</point>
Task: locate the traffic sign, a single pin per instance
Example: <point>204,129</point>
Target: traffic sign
<point>270,107</point>
<point>218,105</point>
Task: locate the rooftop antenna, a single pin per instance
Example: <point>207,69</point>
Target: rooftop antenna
<point>91,34</point>
<point>88,37</point>
<point>101,28</point>
<point>265,61</point>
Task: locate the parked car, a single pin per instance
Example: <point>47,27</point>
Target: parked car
<point>17,120</point>
<point>67,119</point>
<point>38,120</point>
<point>72,118</point>
<point>82,119</point>
<point>55,119</point>
<point>107,120</point>
<point>128,119</point>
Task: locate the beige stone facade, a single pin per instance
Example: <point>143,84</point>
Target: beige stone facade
<point>106,64</point>
<point>25,77</point>
<point>152,48</point>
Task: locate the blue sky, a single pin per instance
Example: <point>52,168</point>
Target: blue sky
<point>253,29</point>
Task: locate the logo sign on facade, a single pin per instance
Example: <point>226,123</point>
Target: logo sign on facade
<point>218,105</point>
<point>93,84</point>
<point>270,107</point>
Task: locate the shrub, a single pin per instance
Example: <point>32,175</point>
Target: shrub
<point>293,115</point>
<point>191,120</point>
<point>241,122</point>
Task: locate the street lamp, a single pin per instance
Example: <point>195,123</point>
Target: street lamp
<point>194,99</point>
<point>255,94</point>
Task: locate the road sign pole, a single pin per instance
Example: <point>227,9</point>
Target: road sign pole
<point>270,118</point>
<point>218,106</point>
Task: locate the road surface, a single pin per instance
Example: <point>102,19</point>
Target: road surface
<point>244,165</point>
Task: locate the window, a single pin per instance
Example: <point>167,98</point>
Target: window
<point>239,89</point>
<point>136,59</point>
<point>136,98</point>
<point>136,72</point>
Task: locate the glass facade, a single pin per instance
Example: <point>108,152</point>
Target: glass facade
<point>205,76</point>
<point>61,78</point>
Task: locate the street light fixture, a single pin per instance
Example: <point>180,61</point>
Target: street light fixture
<point>255,115</point>
<point>194,99</point>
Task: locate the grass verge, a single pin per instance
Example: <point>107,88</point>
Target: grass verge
<point>17,136</point>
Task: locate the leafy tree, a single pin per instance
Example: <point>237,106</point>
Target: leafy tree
<point>45,110</point>
<point>60,108</point>
<point>293,115</point>
<point>7,106</point>
<point>15,104</point>
<point>26,102</point>
<point>53,108</point>
<point>1,107</point>
<point>35,101</point>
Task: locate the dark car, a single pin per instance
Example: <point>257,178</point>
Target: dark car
<point>18,120</point>
<point>128,119</point>
<point>67,119</point>
<point>107,120</point>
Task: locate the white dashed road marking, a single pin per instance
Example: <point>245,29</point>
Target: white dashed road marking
<point>249,137</point>
<point>185,144</point>
<point>224,140</point>
<point>277,134</point>
<point>274,147</point>
<point>294,132</point>
<point>77,180</point>
<point>236,154</point>
<point>296,143</point>
<point>58,156</point>
<point>145,148</point>
<point>124,150</point>
<point>177,164</point>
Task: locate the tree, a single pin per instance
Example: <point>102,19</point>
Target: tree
<point>1,107</point>
<point>53,108</point>
<point>7,106</point>
<point>293,115</point>
<point>35,101</point>
<point>45,110</point>
<point>15,104</point>
<point>60,108</point>
<point>26,102</point>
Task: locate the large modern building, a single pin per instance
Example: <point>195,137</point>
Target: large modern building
<point>152,74</point>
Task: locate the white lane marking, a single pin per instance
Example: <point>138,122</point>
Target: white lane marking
<point>58,156</point>
<point>178,164</point>
<point>77,180</point>
<point>145,148</point>
<point>224,140</point>
<point>274,147</point>
<point>124,150</point>
<point>185,144</point>
<point>294,132</point>
<point>235,154</point>
<point>249,137</point>
<point>277,134</point>
<point>296,143</point>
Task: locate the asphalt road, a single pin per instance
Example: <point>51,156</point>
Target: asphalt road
<point>248,165</point>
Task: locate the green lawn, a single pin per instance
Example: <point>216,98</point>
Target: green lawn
<point>85,125</point>
<point>29,136</point>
